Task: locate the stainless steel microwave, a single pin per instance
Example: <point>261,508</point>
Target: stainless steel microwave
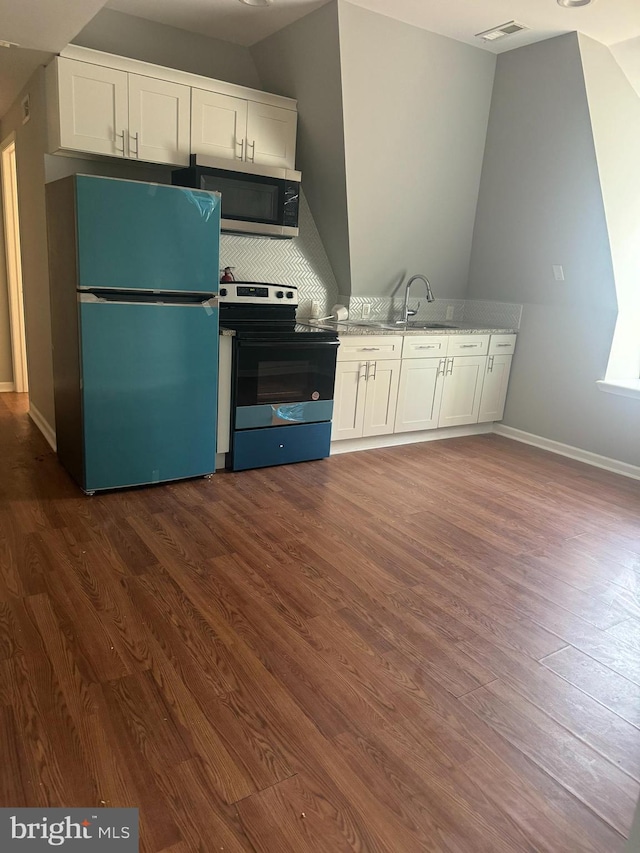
<point>262,201</point>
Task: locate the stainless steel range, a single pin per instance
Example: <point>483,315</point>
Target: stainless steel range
<point>276,378</point>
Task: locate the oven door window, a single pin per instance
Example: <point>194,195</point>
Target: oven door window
<point>275,373</point>
<point>247,197</point>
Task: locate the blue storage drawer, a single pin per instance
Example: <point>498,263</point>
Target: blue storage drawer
<point>258,448</point>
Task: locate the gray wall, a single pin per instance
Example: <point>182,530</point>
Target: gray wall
<point>6,365</point>
<point>540,204</point>
<point>127,35</point>
<point>30,147</point>
<point>303,62</point>
<point>416,107</point>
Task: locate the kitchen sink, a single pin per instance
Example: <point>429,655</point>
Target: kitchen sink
<point>399,327</point>
<point>431,326</point>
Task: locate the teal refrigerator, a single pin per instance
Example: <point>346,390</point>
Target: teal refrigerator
<point>134,271</point>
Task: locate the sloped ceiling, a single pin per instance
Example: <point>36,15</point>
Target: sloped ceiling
<point>40,28</point>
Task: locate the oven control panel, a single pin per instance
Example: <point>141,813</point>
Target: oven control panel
<point>256,293</point>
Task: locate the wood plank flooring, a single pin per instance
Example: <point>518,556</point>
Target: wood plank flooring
<point>426,648</point>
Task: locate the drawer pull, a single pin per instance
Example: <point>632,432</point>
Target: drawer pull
<point>503,345</point>
<point>429,346</point>
<point>469,346</point>
<point>369,349</point>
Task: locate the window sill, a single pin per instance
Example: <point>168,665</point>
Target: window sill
<point>623,387</point>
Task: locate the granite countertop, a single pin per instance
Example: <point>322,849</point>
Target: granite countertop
<point>347,328</point>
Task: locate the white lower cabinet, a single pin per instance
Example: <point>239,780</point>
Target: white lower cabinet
<point>365,398</point>
<point>420,393</point>
<point>437,383</point>
<point>461,390</point>
<point>494,388</point>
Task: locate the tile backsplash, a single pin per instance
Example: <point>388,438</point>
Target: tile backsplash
<point>301,261</point>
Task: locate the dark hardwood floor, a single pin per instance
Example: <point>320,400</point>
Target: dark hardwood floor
<point>427,648</point>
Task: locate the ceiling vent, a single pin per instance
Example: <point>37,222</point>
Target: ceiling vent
<point>503,30</point>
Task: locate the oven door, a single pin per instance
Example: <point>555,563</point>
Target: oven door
<point>280,383</point>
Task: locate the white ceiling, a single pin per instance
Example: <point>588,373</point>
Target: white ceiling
<point>46,26</point>
<point>608,21</point>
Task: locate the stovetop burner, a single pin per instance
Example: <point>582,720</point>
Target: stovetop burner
<point>258,311</point>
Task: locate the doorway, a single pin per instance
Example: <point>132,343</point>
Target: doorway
<point>14,263</point>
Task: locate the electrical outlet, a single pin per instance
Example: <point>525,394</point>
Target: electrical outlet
<point>558,272</point>
<point>315,309</point>
<point>450,310</point>
<point>366,310</point>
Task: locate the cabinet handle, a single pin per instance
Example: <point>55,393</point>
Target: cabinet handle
<point>441,366</point>
<point>136,137</point>
<point>449,366</point>
<point>503,345</point>
<point>241,149</point>
<point>375,369</point>
<point>253,150</point>
<point>429,346</point>
<point>364,375</point>
<point>369,349</point>
<point>115,141</point>
<point>490,364</point>
<point>469,346</point>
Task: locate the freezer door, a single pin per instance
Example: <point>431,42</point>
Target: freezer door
<point>133,235</point>
<point>149,377</point>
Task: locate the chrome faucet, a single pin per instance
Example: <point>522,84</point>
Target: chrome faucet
<point>408,312</point>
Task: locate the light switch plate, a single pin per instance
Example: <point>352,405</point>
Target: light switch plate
<point>558,272</point>
<point>366,310</point>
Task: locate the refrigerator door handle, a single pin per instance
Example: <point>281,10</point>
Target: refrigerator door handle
<point>93,298</point>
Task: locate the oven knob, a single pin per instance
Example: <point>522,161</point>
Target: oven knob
<point>289,294</point>
<point>223,291</point>
<point>279,294</point>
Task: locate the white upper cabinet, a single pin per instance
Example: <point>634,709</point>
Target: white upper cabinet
<point>158,120</point>
<point>93,108</point>
<point>99,103</point>
<point>236,129</point>
<point>271,135</point>
<point>218,125</point>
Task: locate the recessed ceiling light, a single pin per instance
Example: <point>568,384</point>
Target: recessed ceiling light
<point>256,2</point>
<point>574,4</point>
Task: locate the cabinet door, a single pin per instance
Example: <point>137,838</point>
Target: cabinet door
<point>158,120</point>
<point>382,397</point>
<point>349,400</point>
<point>462,389</point>
<point>218,125</point>
<point>494,388</point>
<point>93,107</point>
<point>420,393</point>
<point>271,135</point>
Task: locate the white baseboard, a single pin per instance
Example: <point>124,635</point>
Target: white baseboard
<point>7,387</point>
<point>613,465</point>
<point>350,445</point>
<point>43,425</point>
